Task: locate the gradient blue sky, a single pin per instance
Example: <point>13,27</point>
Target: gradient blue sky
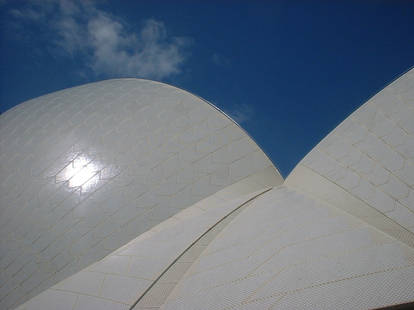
<point>287,71</point>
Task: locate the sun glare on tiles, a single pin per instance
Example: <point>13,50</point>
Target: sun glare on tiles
<point>80,171</point>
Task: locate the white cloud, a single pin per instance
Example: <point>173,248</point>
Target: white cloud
<point>108,46</point>
<point>149,53</point>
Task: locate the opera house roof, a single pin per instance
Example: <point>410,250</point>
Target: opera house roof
<point>134,194</point>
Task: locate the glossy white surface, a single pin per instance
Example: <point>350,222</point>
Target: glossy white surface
<point>124,275</point>
<point>303,255</point>
<point>338,234</point>
<point>371,157</point>
<point>161,288</point>
<point>87,169</point>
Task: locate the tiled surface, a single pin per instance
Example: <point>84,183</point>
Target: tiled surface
<point>371,154</point>
<point>312,183</point>
<point>156,295</point>
<point>302,254</point>
<point>124,275</point>
<point>328,239</point>
<point>86,170</point>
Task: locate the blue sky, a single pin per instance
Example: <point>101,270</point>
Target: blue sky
<point>287,71</point>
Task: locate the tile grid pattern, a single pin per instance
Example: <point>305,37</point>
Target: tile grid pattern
<point>124,275</point>
<point>371,154</point>
<point>303,255</point>
<point>86,170</point>
<point>156,295</point>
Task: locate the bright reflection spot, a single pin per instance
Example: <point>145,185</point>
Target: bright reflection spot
<point>91,184</point>
<point>81,171</point>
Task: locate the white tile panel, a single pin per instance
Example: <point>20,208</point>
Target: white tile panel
<point>123,276</point>
<point>304,253</point>
<point>301,250</point>
<point>54,300</point>
<point>87,282</point>
<point>339,234</point>
<point>370,155</point>
<point>122,288</point>
<point>100,164</point>
<point>94,303</point>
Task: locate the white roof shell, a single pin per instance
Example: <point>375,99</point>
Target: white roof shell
<point>117,281</point>
<point>366,165</point>
<point>337,234</point>
<point>87,169</point>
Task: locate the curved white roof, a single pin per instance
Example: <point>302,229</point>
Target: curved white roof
<point>367,162</point>
<point>117,281</point>
<point>87,169</point>
<point>302,254</point>
<point>337,234</point>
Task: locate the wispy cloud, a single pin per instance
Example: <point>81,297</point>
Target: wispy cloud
<point>107,45</point>
<point>241,113</point>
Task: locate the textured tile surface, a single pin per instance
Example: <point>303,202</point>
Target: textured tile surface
<point>303,255</point>
<point>124,275</point>
<point>337,235</point>
<point>335,247</point>
<point>157,294</point>
<point>87,169</point>
<point>371,154</point>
